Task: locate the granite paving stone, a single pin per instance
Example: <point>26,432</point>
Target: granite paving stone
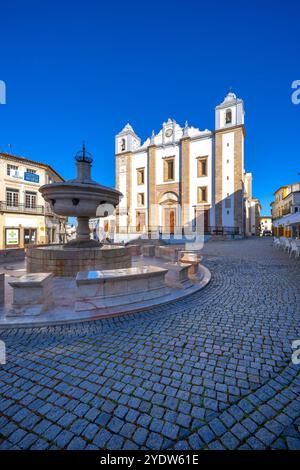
<point>212,370</point>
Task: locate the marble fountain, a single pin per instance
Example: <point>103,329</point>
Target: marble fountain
<point>80,198</point>
<point>84,280</point>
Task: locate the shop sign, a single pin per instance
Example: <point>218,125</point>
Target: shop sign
<point>12,236</point>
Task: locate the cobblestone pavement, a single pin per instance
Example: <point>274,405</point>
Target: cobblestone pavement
<point>211,371</point>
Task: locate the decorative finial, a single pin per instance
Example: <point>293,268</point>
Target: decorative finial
<point>152,137</point>
<point>83,155</point>
<point>186,129</point>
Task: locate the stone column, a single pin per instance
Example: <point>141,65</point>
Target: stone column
<point>83,170</point>
<point>83,229</point>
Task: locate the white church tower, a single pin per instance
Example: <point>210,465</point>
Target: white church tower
<point>127,140</point>
<point>230,112</point>
<point>229,162</point>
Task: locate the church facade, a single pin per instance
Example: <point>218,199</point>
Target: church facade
<point>183,178</point>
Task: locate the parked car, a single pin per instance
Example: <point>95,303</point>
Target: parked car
<point>267,233</point>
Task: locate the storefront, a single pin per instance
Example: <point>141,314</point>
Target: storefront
<point>287,226</point>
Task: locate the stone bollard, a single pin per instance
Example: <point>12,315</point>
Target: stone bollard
<point>149,250</point>
<point>32,294</point>
<point>190,257</point>
<point>134,250</point>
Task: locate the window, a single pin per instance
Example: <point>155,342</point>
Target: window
<point>30,200</point>
<point>202,194</point>
<point>169,169</point>
<point>202,166</point>
<point>11,169</point>
<point>12,197</point>
<point>30,170</point>
<point>140,175</point>
<point>228,203</point>
<point>123,145</point>
<point>228,116</point>
<point>141,199</point>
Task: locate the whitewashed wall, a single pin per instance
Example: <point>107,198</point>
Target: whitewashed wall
<point>168,151</point>
<point>228,184</point>
<point>139,160</point>
<point>200,148</point>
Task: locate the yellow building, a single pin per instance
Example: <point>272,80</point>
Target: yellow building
<point>25,218</point>
<point>286,210</point>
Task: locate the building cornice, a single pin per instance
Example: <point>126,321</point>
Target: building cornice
<point>171,144</point>
<point>228,104</point>
<point>230,129</point>
<point>23,160</point>
<point>123,154</point>
<point>286,186</point>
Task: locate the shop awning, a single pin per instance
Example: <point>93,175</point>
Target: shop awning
<point>287,220</point>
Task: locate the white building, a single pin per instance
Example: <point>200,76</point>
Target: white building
<point>286,211</point>
<point>183,175</point>
<point>25,217</point>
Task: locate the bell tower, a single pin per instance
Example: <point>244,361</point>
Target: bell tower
<point>229,163</point>
<point>127,140</point>
<point>230,112</point>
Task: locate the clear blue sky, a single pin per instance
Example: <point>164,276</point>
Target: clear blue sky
<point>82,69</point>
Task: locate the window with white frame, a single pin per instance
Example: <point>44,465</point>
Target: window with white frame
<point>11,169</point>
<point>30,200</point>
<point>12,197</point>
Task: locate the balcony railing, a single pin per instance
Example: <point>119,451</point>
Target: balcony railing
<point>179,230</point>
<point>26,209</point>
<point>22,208</point>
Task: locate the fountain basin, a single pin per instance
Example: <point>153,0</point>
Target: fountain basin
<point>79,199</point>
<point>62,261</point>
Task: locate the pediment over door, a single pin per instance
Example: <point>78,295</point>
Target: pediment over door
<point>168,199</point>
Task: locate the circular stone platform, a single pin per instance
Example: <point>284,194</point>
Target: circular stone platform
<point>63,311</point>
<point>67,262</point>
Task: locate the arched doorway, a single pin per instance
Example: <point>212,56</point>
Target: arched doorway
<point>169,212</point>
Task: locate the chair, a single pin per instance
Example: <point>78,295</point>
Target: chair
<point>282,242</point>
<point>295,248</point>
<point>287,245</point>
